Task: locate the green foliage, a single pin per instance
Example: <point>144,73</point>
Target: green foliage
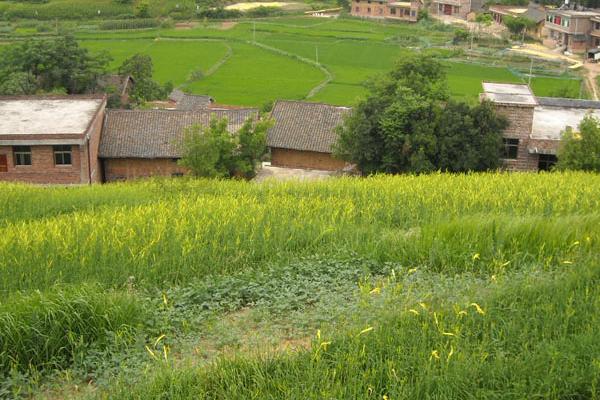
<point>484,18</point>
<point>139,23</point>
<point>581,150</point>
<point>214,152</point>
<point>141,69</point>
<point>50,330</point>
<point>406,124</point>
<point>517,25</point>
<point>460,35</point>
<point>208,152</point>
<point>58,64</point>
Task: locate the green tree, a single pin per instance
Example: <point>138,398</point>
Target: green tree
<point>407,124</point>
<point>516,25</point>
<point>252,138</point>
<point>53,65</point>
<point>141,69</point>
<point>214,152</point>
<point>18,83</point>
<point>581,150</point>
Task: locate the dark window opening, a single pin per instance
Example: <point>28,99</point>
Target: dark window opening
<point>369,9</point>
<point>3,163</point>
<point>546,162</point>
<point>62,155</point>
<point>393,11</point>
<point>511,148</point>
<point>22,155</point>
<point>177,174</point>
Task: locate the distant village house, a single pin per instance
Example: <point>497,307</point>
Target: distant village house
<point>51,140</point>
<point>571,30</point>
<point>394,10</point>
<point>534,12</point>
<point>303,135</point>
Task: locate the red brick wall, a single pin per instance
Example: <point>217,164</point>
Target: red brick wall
<point>42,169</point>
<point>520,124</point>
<point>116,169</point>
<point>95,132</point>
<point>304,159</point>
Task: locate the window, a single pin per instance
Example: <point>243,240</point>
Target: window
<point>3,163</point>
<point>22,155</point>
<point>393,11</point>
<point>456,9</point>
<point>380,10</point>
<point>511,148</point>
<point>413,13</point>
<point>62,155</point>
<point>357,9</point>
<point>177,174</point>
<point>369,10</point>
<point>546,162</point>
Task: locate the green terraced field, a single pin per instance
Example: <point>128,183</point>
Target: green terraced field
<point>294,55</point>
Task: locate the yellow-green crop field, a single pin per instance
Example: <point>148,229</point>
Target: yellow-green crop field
<point>436,286</point>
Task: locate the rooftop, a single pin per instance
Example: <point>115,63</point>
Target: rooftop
<point>553,115</point>
<point>157,133</point>
<point>508,93</point>
<point>47,116</point>
<point>576,14</point>
<point>305,126</point>
<point>190,101</point>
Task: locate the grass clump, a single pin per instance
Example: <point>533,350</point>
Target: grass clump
<point>50,330</point>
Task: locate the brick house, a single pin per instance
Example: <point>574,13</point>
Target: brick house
<point>384,9</point>
<point>51,140</point>
<point>303,135</point>
<point>533,12</point>
<point>533,135</point>
<point>144,143</point>
<point>453,8</point>
<point>571,30</point>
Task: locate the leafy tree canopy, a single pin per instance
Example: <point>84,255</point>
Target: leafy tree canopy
<point>407,124</point>
<point>213,152</point>
<point>49,66</point>
<point>581,150</point>
<point>141,69</point>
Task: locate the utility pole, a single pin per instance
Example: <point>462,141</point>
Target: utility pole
<point>530,71</point>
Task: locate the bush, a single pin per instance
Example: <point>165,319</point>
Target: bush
<point>129,24</point>
<point>581,150</point>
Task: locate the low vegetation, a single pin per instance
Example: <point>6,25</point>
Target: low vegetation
<point>417,286</point>
<point>580,150</point>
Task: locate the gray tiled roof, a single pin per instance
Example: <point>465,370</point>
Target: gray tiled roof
<point>157,133</point>
<point>305,126</point>
<point>194,102</point>
<point>568,103</point>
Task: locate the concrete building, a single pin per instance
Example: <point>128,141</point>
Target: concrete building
<point>145,143</point>
<point>533,135</point>
<point>303,135</point>
<point>51,140</point>
<point>571,30</point>
<point>384,9</point>
<point>451,8</point>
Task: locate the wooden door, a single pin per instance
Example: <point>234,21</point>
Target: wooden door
<point>447,9</point>
<point>3,163</point>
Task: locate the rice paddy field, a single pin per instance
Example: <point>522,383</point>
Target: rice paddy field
<point>315,59</point>
<point>436,286</point>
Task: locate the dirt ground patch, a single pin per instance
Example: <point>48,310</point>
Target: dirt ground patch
<point>277,173</point>
<point>227,25</point>
<point>186,25</point>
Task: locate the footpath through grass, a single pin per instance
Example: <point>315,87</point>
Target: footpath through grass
<point>448,286</point>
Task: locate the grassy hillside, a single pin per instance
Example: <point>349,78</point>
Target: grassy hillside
<point>472,286</point>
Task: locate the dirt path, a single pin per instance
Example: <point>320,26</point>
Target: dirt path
<point>593,70</point>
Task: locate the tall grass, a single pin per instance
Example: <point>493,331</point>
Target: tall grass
<point>175,232</point>
<point>44,331</point>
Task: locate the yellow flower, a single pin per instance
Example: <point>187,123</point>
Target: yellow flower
<point>412,310</point>
<point>448,334</point>
<point>434,354</point>
<point>476,256</point>
<point>369,329</point>
<point>375,291</point>
<point>450,354</point>
<point>479,309</point>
